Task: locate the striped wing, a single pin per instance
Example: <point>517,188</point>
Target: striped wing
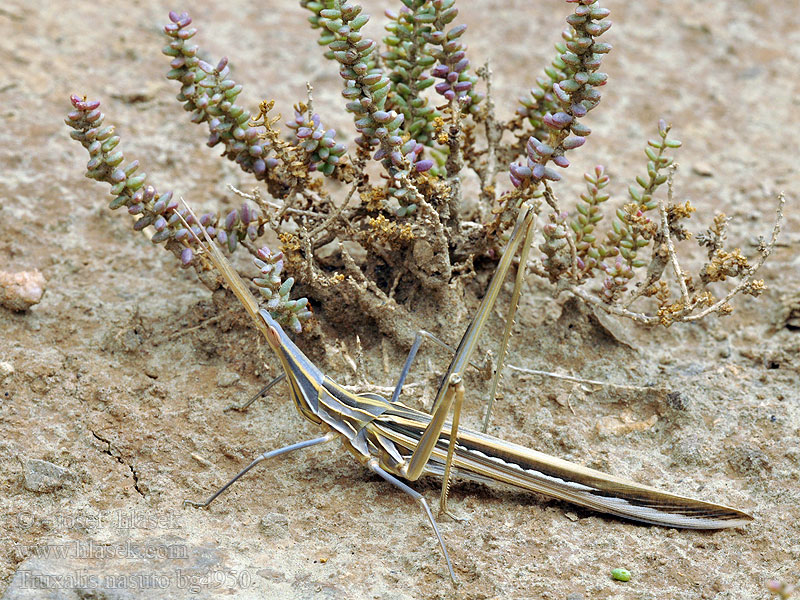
<point>485,456</point>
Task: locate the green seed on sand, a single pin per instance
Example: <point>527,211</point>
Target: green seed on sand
<point>621,574</point>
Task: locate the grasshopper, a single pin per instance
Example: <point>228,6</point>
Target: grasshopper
<point>398,442</point>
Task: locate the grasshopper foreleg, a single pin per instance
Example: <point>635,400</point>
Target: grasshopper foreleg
<point>260,394</point>
<point>418,338</point>
<point>459,400</point>
<point>373,465</point>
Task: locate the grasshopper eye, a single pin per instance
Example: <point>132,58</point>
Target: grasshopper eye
<point>273,337</point>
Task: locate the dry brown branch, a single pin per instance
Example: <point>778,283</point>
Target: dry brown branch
<point>662,210</point>
<point>435,271</point>
<point>765,249</point>
<point>494,133</point>
<point>673,257</point>
<point>620,386</point>
<point>612,309</point>
<point>255,196</point>
<point>206,323</point>
<point>337,213</point>
<point>288,204</point>
<point>455,160</point>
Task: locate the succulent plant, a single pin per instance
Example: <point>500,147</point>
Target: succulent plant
<point>426,119</point>
<point>131,189</point>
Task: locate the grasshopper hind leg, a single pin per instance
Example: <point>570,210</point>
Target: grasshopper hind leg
<point>373,465</point>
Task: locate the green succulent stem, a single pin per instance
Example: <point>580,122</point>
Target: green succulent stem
<point>408,58</point>
<point>367,89</point>
<point>159,211</point>
<point>629,232</point>
<point>540,100</point>
<point>584,222</point>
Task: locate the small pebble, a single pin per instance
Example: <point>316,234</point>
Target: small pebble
<point>6,369</point>
<point>43,476</point>
<point>703,169</point>
<point>227,379</point>
<point>151,369</point>
<point>677,401</point>
<point>20,291</point>
<point>274,525</point>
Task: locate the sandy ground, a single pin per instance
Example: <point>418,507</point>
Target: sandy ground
<point>113,380</point>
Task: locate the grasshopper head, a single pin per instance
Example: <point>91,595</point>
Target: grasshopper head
<point>273,331</point>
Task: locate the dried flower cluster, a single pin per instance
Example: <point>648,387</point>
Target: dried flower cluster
<point>426,118</point>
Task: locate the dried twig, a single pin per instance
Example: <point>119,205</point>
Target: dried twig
<point>668,240</point>
<point>613,309</point>
<point>764,249</point>
<point>255,196</point>
<point>184,331</point>
<point>494,133</point>
<point>619,386</point>
<point>455,159</point>
<point>338,212</point>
